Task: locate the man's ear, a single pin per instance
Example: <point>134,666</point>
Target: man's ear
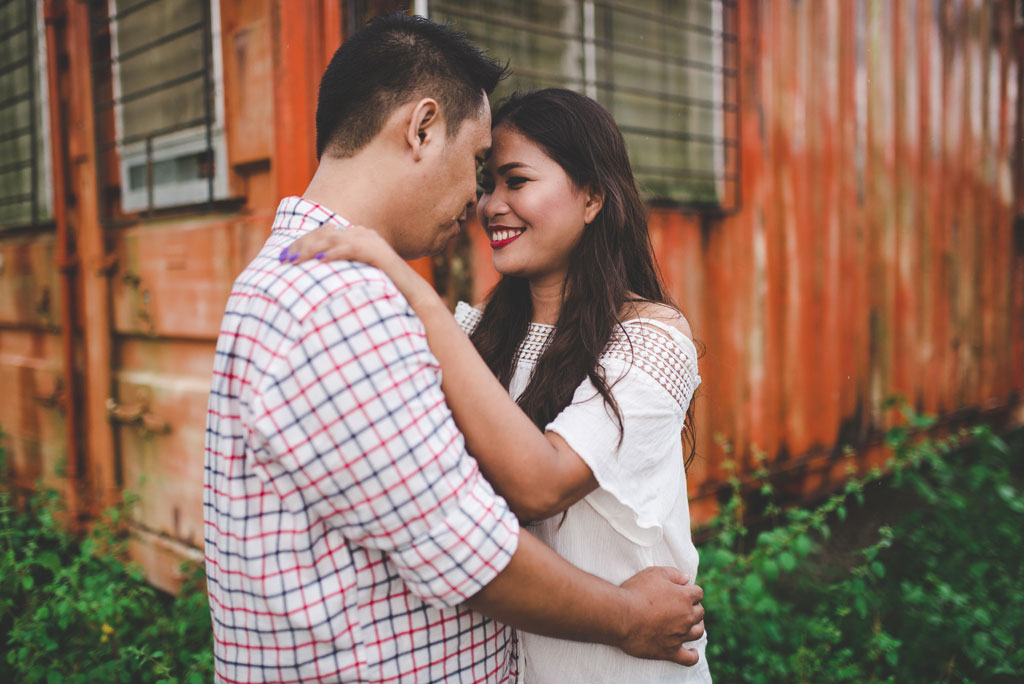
<point>424,126</point>
<point>595,200</point>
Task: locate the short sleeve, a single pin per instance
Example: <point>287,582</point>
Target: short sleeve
<point>651,370</point>
<point>352,430</point>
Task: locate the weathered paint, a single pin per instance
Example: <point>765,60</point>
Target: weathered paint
<point>873,252</point>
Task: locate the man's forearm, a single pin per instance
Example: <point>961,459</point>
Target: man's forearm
<point>542,593</point>
<point>651,615</point>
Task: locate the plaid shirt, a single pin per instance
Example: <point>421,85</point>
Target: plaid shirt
<point>344,521</point>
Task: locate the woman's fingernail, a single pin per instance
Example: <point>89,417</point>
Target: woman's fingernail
<point>294,257</point>
<point>321,255</point>
<point>284,255</point>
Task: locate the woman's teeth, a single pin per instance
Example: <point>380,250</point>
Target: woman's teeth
<point>499,235</point>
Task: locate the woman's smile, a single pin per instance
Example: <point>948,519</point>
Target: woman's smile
<point>503,235</point>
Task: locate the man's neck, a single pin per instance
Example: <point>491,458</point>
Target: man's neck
<point>354,190</point>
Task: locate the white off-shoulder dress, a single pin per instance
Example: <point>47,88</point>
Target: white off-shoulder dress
<point>638,516</point>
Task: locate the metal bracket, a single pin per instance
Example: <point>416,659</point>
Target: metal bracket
<point>108,265</point>
<point>137,415</point>
<point>52,396</point>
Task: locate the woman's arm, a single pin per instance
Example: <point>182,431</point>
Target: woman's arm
<point>537,473</point>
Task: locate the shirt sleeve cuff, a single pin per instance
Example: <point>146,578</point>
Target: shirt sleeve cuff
<point>464,551</point>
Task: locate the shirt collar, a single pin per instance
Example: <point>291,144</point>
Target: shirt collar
<point>295,214</point>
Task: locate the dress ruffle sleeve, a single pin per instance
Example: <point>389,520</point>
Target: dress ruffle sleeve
<point>651,370</point>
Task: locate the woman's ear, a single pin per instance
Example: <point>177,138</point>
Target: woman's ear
<point>423,126</point>
<point>595,201</point>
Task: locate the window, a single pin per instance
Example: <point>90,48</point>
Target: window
<point>665,69</point>
<point>359,12</point>
<point>24,145</point>
<point>160,118</point>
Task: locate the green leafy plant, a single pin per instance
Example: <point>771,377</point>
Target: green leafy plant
<point>934,592</point>
<point>72,611</point>
<point>935,595</point>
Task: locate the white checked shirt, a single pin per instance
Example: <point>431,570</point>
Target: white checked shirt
<point>344,521</point>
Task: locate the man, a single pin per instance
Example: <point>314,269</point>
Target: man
<point>349,536</point>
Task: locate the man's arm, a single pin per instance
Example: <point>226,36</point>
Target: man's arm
<point>651,615</point>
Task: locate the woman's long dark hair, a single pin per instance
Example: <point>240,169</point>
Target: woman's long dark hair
<point>613,259</point>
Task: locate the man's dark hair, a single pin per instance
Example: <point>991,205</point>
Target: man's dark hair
<point>395,58</point>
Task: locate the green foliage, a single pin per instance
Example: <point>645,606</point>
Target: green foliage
<point>71,611</point>
<point>936,595</point>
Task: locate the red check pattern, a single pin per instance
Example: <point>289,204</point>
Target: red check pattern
<point>344,521</point>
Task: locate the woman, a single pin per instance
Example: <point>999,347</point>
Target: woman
<point>580,333</point>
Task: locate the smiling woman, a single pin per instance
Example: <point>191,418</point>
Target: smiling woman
<point>526,194</point>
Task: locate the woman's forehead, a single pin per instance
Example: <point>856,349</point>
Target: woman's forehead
<point>511,149</point>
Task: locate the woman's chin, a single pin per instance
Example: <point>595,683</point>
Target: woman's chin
<point>506,267</point>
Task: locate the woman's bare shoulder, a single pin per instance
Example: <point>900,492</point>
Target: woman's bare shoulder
<point>663,313</point>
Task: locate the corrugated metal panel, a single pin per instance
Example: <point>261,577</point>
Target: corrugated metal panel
<point>873,253</point>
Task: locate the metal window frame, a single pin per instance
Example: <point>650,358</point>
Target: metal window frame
<point>204,134</point>
<point>39,197</point>
<point>724,68</point>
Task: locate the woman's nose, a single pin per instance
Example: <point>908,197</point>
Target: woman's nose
<point>491,205</point>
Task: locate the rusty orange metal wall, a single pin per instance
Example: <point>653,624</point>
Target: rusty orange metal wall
<point>873,253</point>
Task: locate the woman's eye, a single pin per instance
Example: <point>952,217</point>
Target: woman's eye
<point>516,181</point>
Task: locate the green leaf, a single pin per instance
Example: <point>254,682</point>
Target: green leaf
<point>27,582</point>
<point>753,584</point>
<point>787,560</point>
<point>49,560</point>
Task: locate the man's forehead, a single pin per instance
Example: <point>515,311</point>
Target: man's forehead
<point>483,132</point>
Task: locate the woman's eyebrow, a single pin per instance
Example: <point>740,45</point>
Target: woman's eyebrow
<point>505,168</point>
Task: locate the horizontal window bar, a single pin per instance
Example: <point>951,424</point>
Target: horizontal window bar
<point>666,20</point>
<point>143,92</point>
<point>162,40</point>
<point>14,66</point>
<point>614,46</point>
<point>14,199</point>
<point>15,133</point>
<point>685,137</point>
<point>127,10</point>
<point>665,97</point>
<point>16,166</point>
<point>611,86</point>
<point>546,75</point>
<point>505,22</point>
<point>10,33</point>
<point>675,172</point>
<point>130,140</point>
<point>11,101</point>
